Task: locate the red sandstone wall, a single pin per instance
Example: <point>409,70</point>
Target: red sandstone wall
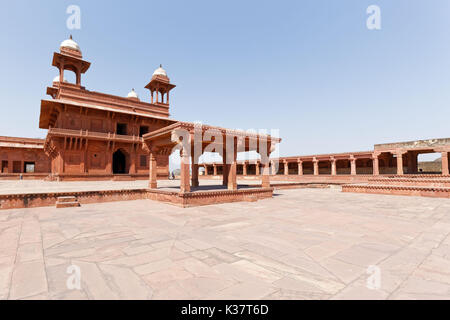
<point>399,190</point>
<point>73,159</point>
<point>49,199</point>
<point>12,160</point>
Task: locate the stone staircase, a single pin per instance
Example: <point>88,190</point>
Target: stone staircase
<point>67,202</point>
<point>414,185</point>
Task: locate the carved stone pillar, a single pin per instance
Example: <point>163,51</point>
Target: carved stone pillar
<point>257,172</point>
<point>445,168</point>
<point>225,171</point>
<point>376,165</point>
<point>194,170</point>
<point>412,162</point>
<point>153,182</point>
<point>215,169</point>
<point>316,167</point>
<point>184,174</point>
<point>244,169</point>
<point>266,175</point>
<point>286,168</point>
<point>133,161</point>
<point>352,166</point>
<point>232,176</point>
<point>300,167</point>
<point>333,167</point>
<point>400,163</point>
<point>109,168</point>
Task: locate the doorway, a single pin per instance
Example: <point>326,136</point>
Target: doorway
<point>17,165</point>
<point>4,166</point>
<point>29,167</point>
<point>119,162</point>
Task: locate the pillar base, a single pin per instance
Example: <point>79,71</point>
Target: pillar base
<point>265,182</point>
<point>232,186</point>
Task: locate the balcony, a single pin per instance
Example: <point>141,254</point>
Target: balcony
<point>91,135</point>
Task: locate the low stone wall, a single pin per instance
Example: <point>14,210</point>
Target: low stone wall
<point>192,199</point>
<point>414,176</point>
<point>399,190</point>
<point>77,177</point>
<point>338,179</point>
<point>406,181</point>
<point>23,176</point>
<point>100,177</point>
<point>282,186</point>
<point>33,200</point>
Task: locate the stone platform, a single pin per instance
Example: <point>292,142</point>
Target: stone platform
<point>32,194</point>
<point>434,192</point>
<point>407,185</point>
<point>207,197</point>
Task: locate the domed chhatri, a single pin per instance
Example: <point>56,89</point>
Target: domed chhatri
<point>133,94</point>
<point>70,44</point>
<point>160,86</point>
<point>160,72</point>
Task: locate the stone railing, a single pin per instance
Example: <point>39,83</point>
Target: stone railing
<point>93,135</point>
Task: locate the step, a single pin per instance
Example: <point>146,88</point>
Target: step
<point>67,204</point>
<point>421,191</point>
<point>123,178</point>
<point>67,199</point>
<point>413,182</point>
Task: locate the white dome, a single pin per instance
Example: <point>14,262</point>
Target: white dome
<point>56,79</point>
<point>160,72</point>
<point>69,43</point>
<point>133,94</point>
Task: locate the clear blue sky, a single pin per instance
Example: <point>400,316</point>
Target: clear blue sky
<point>308,68</point>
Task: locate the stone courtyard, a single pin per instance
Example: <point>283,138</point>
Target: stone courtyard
<point>301,244</point>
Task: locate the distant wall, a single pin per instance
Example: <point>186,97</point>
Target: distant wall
<point>430,166</point>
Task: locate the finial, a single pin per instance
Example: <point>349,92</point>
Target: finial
<point>132,89</point>
<point>160,65</point>
<point>70,37</point>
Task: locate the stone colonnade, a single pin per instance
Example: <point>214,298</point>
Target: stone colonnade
<point>398,162</point>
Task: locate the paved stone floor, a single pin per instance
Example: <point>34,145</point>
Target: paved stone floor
<point>302,244</point>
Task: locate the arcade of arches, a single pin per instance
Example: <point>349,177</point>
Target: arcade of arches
<point>386,159</point>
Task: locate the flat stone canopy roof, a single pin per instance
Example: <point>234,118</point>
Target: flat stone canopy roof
<point>417,144</point>
<point>164,137</point>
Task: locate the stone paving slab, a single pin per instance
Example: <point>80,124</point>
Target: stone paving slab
<point>301,244</point>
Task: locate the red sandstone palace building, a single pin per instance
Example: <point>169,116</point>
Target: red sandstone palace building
<point>93,135</point>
